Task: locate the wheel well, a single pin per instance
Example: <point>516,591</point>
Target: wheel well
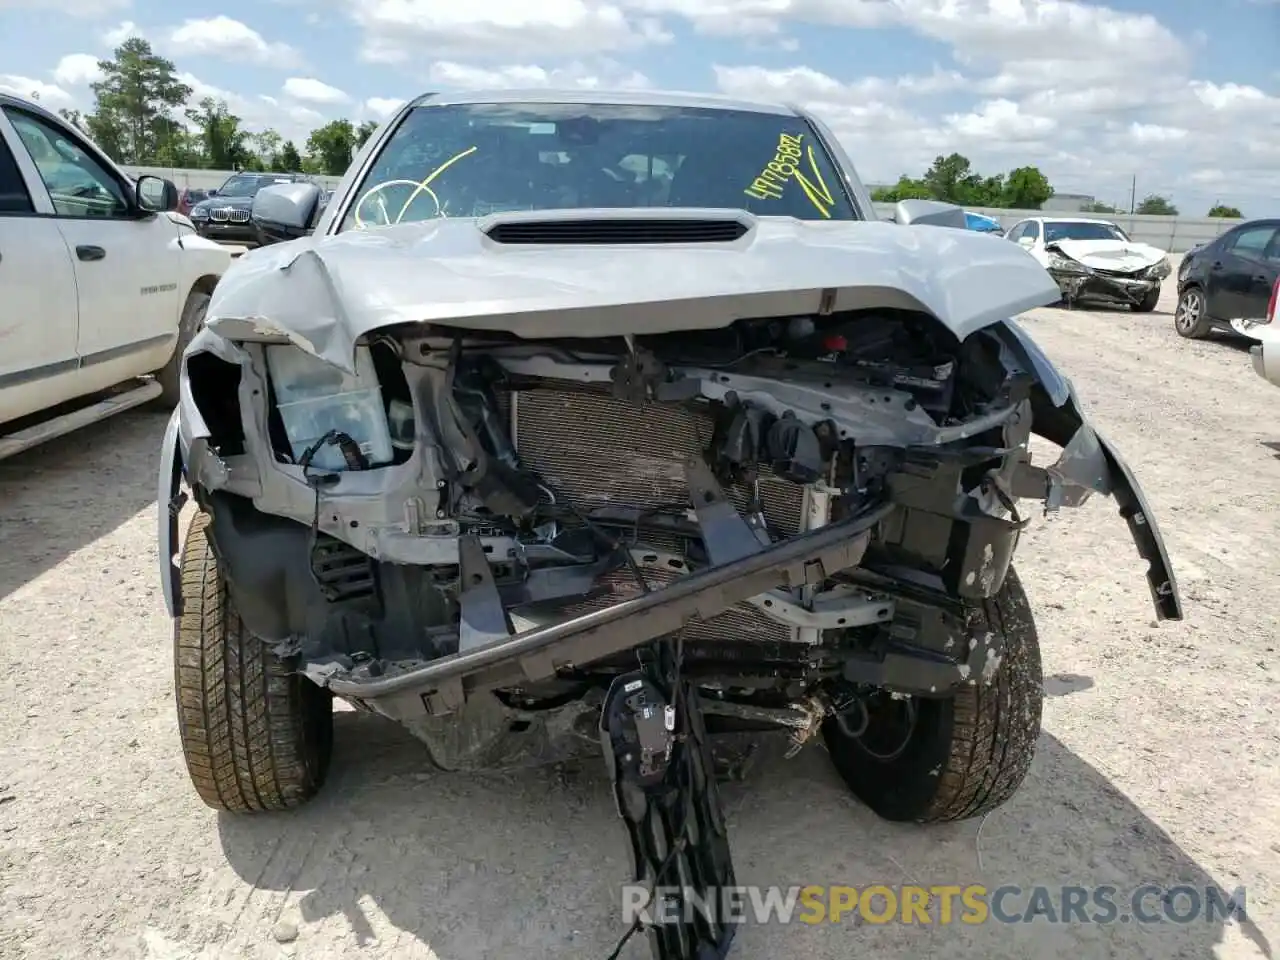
<point>204,284</point>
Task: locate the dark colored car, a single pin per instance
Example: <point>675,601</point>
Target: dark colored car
<point>224,214</point>
<point>1227,282</point>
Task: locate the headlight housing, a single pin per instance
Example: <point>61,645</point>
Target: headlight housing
<point>320,404</point>
<point>1061,264</point>
<point>199,213</point>
<point>1160,270</point>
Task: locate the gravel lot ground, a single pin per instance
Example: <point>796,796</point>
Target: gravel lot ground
<point>1158,760</point>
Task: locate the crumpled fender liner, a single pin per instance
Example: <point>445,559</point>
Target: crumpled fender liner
<point>1060,424</point>
<point>168,504</point>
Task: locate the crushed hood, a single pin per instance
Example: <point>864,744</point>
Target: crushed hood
<point>324,293</point>
<point>1123,255</point>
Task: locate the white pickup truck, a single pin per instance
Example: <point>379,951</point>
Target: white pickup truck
<point>101,283</point>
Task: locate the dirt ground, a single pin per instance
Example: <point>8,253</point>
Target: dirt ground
<point>1158,761</point>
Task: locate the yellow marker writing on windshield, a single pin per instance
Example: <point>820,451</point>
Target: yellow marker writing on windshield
<point>819,193</point>
<point>425,184</point>
<point>786,166</point>
<point>420,187</point>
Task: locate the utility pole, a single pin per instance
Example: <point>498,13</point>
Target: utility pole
<point>1133,195</point>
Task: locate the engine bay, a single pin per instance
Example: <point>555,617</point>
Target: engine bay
<point>589,473</point>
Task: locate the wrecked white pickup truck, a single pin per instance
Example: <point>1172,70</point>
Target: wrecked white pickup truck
<point>589,420</point>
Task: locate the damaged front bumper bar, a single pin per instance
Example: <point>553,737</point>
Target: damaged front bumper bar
<point>1095,286</point>
<point>443,685</point>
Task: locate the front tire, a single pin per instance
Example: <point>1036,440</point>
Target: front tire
<point>255,734</point>
<point>958,757</point>
<point>1148,303</point>
<point>1191,318</point>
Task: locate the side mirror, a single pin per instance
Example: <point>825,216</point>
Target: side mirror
<point>155,194</point>
<point>933,213</point>
<point>285,211</point>
<point>1027,242</point>
<point>211,193</point>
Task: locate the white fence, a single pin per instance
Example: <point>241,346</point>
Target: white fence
<point>1175,234</point>
<point>203,179</point>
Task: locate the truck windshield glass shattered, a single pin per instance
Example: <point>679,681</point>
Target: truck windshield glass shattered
<point>471,160</point>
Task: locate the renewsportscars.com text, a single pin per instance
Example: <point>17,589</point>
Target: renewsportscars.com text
<point>940,904</point>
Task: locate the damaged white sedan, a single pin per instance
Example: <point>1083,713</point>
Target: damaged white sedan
<point>1094,260</point>
<point>602,421</point>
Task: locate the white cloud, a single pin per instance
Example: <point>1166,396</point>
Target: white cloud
<point>310,90</point>
<point>228,39</point>
<point>120,33</point>
<point>608,75</point>
<point>1154,133</point>
<point>1000,120</point>
<point>766,17</point>
<point>382,107</point>
<point>76,8</point>
<point>291,119</point>
<point>46,94</point>
<point>398,31</point>
<point>77,70</point>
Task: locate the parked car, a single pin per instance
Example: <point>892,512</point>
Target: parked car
<point>188,197</point>
<point>593,462</point>
<point>225,214</point>
<point>1094,260</point>
<point>1225,284</point>
<point>1266,352</point>
<point>102,284</point>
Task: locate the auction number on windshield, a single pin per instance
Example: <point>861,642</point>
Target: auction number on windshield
<point>795,161</point>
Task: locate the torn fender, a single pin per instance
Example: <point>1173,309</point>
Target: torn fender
<point>167,506</point>
<point>1090,463</point>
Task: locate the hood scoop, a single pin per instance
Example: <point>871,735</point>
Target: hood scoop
<point>617,230</point>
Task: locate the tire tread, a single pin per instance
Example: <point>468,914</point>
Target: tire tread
<point>245,717</point>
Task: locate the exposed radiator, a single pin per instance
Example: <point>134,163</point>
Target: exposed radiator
<point>594,451</point>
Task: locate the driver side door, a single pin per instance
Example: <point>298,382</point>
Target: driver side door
<point>126,262</point>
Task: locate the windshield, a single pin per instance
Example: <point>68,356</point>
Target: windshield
<point>470,160</point>
<point>241,187</point>
<point>1082,231</point>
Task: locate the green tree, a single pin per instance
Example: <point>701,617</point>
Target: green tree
<point>138,91</point>
<point>1220,210</point>
<point>176,146</point>
<point>904,189</point>
<point>1097,207</point>
<point>1026,188</point>
<point>1157,206</point>
<point>949,177</point>
<point>952,179</point>
<point>365,131</point>
<point>73,117</point>
<point>329,148</point>
<point>288,159</point>
<point>226,145</point>
<point>265,149</point>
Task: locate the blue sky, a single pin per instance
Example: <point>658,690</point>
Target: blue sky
<point>1095,95</point>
